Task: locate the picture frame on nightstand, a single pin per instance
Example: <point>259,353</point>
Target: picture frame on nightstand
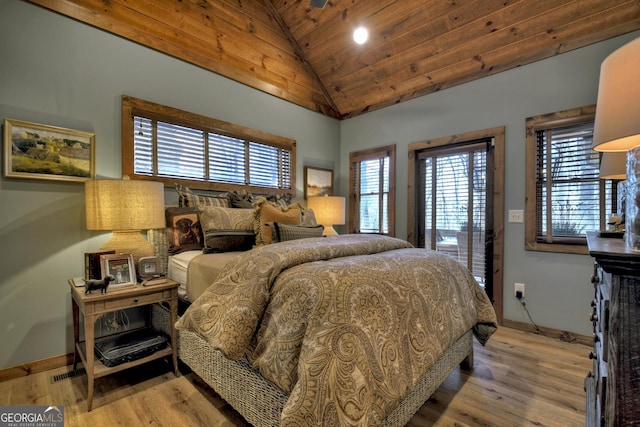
<point>121,267</point>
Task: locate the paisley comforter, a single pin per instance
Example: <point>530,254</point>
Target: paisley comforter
<point>347,325</point>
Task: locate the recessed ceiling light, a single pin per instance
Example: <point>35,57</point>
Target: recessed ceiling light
<point>361,35</point>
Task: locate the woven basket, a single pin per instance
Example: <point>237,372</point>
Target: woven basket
<point>260,402</point>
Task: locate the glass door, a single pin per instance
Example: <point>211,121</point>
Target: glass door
<point>456,216</point>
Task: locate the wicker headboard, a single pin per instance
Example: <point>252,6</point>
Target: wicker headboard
<point>159,238</point>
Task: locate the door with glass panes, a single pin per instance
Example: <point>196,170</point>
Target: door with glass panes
<point>455,205</point>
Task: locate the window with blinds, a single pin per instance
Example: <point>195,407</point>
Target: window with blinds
<point>371,183</point>
<point>170,145</point>
<point>567,183</point>
<point>567,195</point>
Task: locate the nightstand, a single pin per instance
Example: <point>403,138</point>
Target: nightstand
<point>95,304</point>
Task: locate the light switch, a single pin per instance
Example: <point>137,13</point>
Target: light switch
<point>516,215</point>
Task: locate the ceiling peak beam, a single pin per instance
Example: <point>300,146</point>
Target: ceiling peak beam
<point>303,57</point>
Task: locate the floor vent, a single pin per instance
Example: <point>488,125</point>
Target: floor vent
<point>71,374</point>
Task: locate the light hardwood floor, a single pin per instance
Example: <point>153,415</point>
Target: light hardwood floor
<point>519,379</point>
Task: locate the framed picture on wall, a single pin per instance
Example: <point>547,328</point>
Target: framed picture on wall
<point>317,182</point>
<point>35,151</point>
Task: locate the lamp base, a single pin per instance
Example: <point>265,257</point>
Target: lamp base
<point>129,242</point>
<point>329,231</point>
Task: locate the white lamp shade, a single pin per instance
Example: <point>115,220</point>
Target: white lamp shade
<point>613,165</point>
<point>617,122</point>
<point>118,205</point>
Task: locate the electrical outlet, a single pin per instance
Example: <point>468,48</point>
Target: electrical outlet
<point>516,215</point>
<point>519,287</point>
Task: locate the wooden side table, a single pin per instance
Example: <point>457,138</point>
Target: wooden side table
<point>95,304</point>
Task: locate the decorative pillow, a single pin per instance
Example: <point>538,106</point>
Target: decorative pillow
<point>188,198</point>
<point>284,232</point>
<point>227,229</point>
<point>308,217</point>
<point>186,234</point>
<point>267,212</point>
<point>282,200</point>
<point>241,199</point>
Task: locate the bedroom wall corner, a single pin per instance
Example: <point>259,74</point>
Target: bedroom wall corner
<point>57,71</point>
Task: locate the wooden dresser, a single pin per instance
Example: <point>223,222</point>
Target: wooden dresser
<point>613,387</point>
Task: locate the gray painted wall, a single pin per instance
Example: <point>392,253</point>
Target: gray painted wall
<point>60,72</point>
<point>558,291</point>
<point>57,71</point>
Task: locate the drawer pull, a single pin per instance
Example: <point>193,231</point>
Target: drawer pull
<point>135,301</point>
<point>592,355</point>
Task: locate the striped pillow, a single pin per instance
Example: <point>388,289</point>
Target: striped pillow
<point>187,198</point>
<point>283,232</point>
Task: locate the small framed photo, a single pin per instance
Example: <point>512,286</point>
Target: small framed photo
<point>121,267</point>
<point>317,182</point>
<point>35,151</point>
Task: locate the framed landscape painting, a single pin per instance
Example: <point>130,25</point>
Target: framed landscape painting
<point>35,151</point>
<point>317,182</point>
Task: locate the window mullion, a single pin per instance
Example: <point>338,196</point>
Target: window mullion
<point>549,185</point>
<point>247,162</point>
<point>434,201</point>
<point>206,155</point>
<point>470,210</point>
<point>154,142</point>
<point>280,166</point>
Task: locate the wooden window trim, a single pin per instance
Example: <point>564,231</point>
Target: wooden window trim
<point>133,106</point>
<point>368,154</point>
<point>534,124</point>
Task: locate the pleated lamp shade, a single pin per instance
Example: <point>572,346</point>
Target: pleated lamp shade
<point>125,207</point>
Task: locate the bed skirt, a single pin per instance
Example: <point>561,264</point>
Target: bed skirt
<point>260,402</point>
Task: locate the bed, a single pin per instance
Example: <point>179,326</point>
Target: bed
<point>346,330</point>
<point>296,330</point>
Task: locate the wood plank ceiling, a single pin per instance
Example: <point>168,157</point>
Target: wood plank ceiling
<point>307,56</point>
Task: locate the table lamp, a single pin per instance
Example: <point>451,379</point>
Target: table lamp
<point>329,211</point>
<point>617,125</point>
<point>125,207</point>
<point>613,165</point>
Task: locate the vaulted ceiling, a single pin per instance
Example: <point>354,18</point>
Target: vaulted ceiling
<point>307,56</point>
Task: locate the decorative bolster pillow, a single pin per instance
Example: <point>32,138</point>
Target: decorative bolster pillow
<point>227,229</point>
<point>284,232</point>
